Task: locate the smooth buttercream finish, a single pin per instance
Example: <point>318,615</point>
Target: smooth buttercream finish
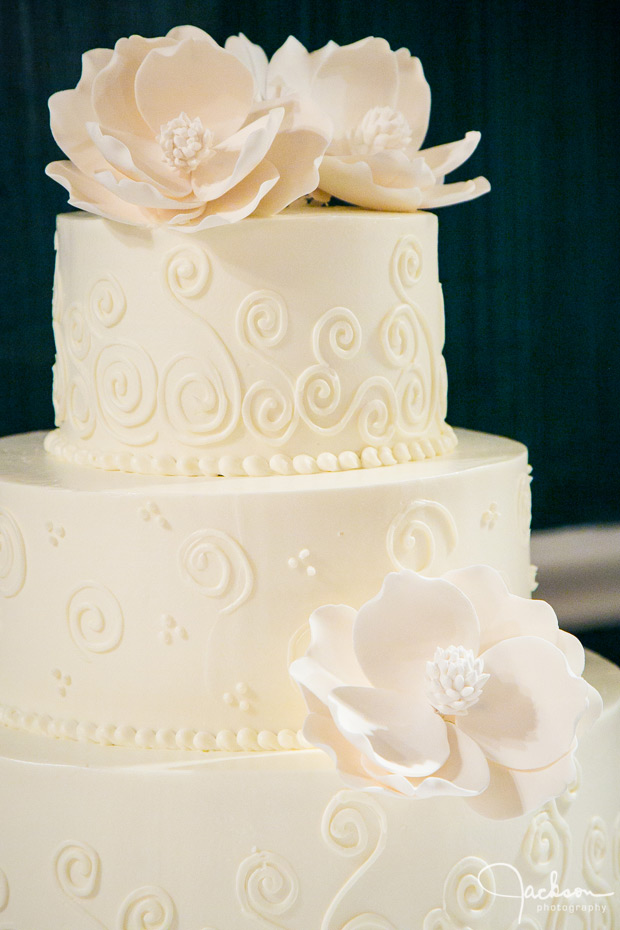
<point>310,341</point>
<point>177,840</point>
<point>173,607</point>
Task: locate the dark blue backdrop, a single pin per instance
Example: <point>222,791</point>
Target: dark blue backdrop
<point>530,272</point>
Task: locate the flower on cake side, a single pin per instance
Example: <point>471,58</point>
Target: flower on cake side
<point>171,131</point>
<point>448,686</point>
<point>378,102</point>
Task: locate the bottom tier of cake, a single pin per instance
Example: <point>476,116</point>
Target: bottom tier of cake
<point>121,839</point>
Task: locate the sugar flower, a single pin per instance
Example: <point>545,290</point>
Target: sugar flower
<point>170,131</point>
<point>448,686</point>
<point>378,102</point>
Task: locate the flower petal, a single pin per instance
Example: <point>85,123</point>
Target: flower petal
<point>331,644</point>
<point>139,159</point>
<point>239,202</point>
<point>573,650</point>
<point>442,159</point>
<point>296,152</point>
<point>593,712</point>
<point>354,79</point>
<point>321,731</point>
<point>71,110</point>
<point>442,195</point>
<point>197,78</point>
<point>142,193</point>
<point>512,793</point>
<point>395,170</point>
<point>254,59</point>
<point>235,158</point>
<point>354,183</point>
<point>465,774</point>
<point>114,98</point>
<point>316,682</point>
<point>292,68</point>
<point>178,33</point>
<point>501,614</point>
<point>87,194</point>
<point>527,714</point>
<point>397,632</point>
<point>401,736</point>
<point>414,96</point>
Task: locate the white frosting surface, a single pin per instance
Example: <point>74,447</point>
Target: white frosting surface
<point>309,341</point>
<point>145,611</point>
<point>107,836</point>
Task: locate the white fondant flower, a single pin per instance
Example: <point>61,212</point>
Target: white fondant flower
<point>378,102</point>
<point>170,131</point>
<point>448,686</point>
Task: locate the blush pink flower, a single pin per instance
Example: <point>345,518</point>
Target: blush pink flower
<point>378,102</point>
<point>169,131</point>
<point>448,686</point>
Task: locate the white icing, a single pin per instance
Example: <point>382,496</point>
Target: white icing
<point>210,353</point>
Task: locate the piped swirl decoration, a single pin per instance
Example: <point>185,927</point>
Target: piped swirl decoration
<point>421,537</point>
<point>267,887</point>
<point>262,320</point>
<point>354,825</point>
<point>95,619</point>
<point>524,505</point>
<point>147,908</point>
<point>78,333</point>
<point>595,849</point>
<point>202,397</point>
<point>12,556</point>
<point>126,386</point>
<point>217,566</point>
<point>78,870</point>
<point>107,301</point>
<point>466,900</point>
<point>406,266</point>
<point>543,844</point>
<point>187,272</point>
<point>408,344</point>
<point>337,339</point>
<point>59,372</point>
<point>79,407</point>
<point>269,410</point>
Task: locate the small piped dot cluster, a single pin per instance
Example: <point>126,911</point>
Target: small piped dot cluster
<point>56,533</point>
<point>62,681</point>
<point>170,630</point>
<point>241,697</point>
<point>150,511</point>
<point>298,562</point>
<point>490,516</point>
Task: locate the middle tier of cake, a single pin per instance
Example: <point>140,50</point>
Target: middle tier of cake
<point>165,612</point>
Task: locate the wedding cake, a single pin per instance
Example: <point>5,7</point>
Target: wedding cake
<point>268,652</point>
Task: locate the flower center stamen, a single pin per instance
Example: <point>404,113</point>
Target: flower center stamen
<point>454,680</point>
<point>185,142</point>
<point>382,128</point>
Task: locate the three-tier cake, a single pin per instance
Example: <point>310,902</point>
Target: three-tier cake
<point>268,654</point>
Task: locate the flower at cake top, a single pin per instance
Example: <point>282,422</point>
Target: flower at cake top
<point>448,686</point>
<point>172,131</point>
<point>378,102</point>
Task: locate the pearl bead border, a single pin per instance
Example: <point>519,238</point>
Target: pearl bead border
<point>245,740</point>
<point>253,466</point>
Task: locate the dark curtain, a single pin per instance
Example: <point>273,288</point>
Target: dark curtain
<point>530,272</point>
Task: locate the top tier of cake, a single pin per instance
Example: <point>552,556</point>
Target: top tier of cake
<point>309,341</point>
